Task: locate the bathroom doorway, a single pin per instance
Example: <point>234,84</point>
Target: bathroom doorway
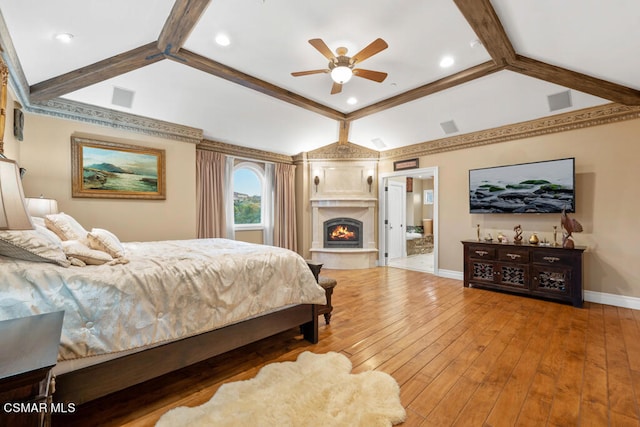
<point>418,230</point>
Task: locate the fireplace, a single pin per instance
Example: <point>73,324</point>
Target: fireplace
<point>343,233</point>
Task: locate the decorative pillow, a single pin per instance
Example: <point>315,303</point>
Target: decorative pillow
<point>78,250</point>
<point>106,241</point>
<point>65,227</point>
<point>39,245</point>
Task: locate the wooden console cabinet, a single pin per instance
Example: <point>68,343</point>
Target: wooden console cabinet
<point>542,271</point>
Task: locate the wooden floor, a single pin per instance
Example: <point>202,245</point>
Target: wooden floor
<point>462,356</point>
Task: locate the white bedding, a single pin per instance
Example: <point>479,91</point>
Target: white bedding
<point>168,290</point>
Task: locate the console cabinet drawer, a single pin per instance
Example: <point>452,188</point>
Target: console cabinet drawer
<point>514,254</point>
<point>482,252</point>
<point>552,258</point>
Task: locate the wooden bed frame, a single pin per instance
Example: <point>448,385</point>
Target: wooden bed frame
<point>99,380</point>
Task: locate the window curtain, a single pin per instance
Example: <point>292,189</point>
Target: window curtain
<point>228,190</point>
<point>268,204</point>
<point>284,233</point>
<point>210,194</point>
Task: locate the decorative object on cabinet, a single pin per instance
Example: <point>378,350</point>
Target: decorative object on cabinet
<point>518,237</point>
<point>501,238</point>
<point>542,271</point>
<point>113,170</point>
<point>570,226</point>
<point>534,239</point>
<point>555,235</point>
<point>478,231</point>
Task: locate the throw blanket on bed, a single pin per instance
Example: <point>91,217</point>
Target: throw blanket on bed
<point>168,290</point>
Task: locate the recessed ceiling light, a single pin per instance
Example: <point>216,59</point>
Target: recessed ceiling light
<point>352,101</point>
<point>223,39</point>
<point>447,61</point>
<point>64,37</point>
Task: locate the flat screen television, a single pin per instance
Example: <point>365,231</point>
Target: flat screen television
<point>538,187</point>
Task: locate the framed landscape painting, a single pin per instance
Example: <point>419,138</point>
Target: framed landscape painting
<point>113,170</point>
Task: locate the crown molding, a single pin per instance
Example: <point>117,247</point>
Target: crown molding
<point>594,116</point>
<point>245,152</point>
<point>338,151</point>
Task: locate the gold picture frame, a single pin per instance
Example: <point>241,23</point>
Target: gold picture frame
<point>4,79</point>
<point>104,169</point>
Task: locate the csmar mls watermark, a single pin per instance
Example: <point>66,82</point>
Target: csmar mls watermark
<point>38,407</point>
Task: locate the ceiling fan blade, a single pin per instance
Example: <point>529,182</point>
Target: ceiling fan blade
<point>306,73</point>
<point>376,76</point>
<point>336,88</point>
<point>322,48</point>
<point>374,47</point>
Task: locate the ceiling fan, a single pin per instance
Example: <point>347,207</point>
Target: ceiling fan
<point>341,65</point>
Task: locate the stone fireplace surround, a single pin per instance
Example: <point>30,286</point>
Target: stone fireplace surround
<point>344,258</point>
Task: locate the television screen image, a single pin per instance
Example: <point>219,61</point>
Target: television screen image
<point>539,187</point>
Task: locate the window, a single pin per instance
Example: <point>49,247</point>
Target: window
<point>248,190</point>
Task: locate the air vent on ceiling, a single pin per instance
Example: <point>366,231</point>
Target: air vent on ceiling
<point>558,101</point>
<point>378,143</point>
<point>122,97</point>
<point>449,127</point>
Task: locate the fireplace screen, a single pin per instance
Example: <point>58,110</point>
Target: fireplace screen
<point>343,233</point>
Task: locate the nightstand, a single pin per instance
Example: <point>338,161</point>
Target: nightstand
<point>29,352</point>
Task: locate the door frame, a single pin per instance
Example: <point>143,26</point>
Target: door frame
<point>382,210</point>
<point>403,219</point>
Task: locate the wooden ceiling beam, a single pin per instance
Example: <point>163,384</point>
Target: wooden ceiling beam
<point>574,80</point>
<point>448,82</point>
<point>484,21</point>
<point>183,18</point>
<point>343,135</point>
<point>224,72</point>
<point>95,73</point>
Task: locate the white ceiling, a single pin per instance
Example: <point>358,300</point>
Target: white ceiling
<point>269,41</point>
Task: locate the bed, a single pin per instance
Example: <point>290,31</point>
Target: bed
<point>156,307</point>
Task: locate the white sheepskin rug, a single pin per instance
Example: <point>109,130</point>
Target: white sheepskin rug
<point>315,390</point>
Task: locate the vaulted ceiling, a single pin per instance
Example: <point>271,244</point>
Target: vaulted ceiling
<point>509,57</point>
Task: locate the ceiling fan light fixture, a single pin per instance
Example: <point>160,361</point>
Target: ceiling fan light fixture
<point>341,74</point>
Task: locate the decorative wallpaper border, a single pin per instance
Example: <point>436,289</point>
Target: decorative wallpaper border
<point>73,110</point>
<point>594,116</point>
<point>245,152</point>
<point>338,151</point>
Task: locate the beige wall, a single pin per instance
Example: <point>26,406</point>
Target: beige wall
<point>607,202</point>
<point>46,154</point>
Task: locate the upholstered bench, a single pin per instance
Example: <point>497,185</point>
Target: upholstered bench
<point>327,284</point>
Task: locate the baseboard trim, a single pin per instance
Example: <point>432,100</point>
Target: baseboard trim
<point>450,274</point>
<point>590,296</point>
<point>612,299</point>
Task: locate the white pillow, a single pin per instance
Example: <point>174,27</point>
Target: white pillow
<point>78,250</point>
<point>106,241</point>
<point>38,245</point>
<point>65,227</point>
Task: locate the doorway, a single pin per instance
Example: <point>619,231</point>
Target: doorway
<point>409,241</point>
